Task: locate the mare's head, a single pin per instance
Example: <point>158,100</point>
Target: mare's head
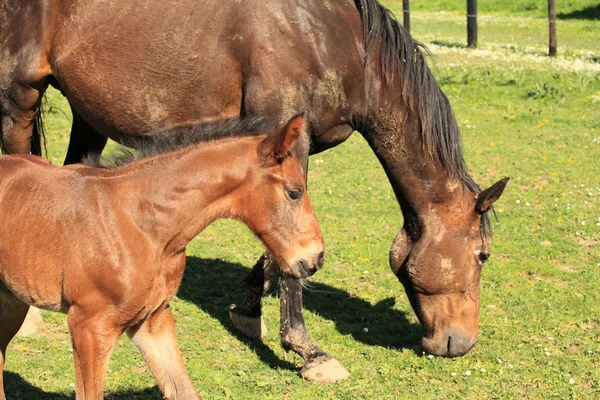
<point>276,205</point>
<point>441,266</point>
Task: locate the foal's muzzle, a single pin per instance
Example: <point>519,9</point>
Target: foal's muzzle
<point>308,268</point>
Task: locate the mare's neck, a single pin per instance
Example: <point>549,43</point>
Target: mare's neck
<point>419,181</point>
<point>176,195</point>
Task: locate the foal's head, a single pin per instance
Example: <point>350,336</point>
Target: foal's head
<point>277,208</point>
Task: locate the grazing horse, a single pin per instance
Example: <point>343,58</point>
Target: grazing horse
<point>107,246</point>
<point>129,68</point>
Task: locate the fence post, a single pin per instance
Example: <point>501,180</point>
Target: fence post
<point>472,23</point>
<point>552,27</point>
<point>406,12</point>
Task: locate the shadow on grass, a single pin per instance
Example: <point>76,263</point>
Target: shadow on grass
<point>213,285</point>
<point>445,43</point>
<point>17,388</point>
<point>591,12</point>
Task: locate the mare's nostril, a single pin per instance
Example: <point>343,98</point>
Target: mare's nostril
<point>320,260</point>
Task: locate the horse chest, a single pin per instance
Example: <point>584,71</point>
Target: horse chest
<point>162,288</point>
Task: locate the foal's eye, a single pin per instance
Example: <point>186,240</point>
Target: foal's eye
<point>294,194</point>
<point>483,256</point>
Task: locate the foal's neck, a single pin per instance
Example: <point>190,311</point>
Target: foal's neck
<point>178,194</point>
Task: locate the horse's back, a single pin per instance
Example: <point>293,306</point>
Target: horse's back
<point>130,68</point>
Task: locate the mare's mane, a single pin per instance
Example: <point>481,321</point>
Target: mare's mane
<point>404,59</point>
<point>182,136</point>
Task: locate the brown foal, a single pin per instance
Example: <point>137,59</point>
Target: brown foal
<point>107,246</point>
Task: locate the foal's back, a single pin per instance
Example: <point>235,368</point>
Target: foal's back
<point>54,226</point>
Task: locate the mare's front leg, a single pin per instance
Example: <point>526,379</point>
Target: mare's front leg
<point>93,336</point>
<point>157,341</point>
<point>247,317</point>
<point>85,140</point>
<point>318,365</point>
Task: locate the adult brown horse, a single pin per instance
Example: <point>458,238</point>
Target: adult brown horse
<point>128,68</point>
<point>107,246</point>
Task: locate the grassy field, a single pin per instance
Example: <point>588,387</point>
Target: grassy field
<point>523,116</point>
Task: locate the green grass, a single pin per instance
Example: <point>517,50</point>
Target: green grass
<point>521,116</point>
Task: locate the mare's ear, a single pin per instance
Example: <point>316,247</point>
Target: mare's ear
<point>486,198</point>
<point>276,147</point>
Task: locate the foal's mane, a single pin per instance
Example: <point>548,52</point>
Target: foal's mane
<point>179,137</point>
<point>404,59</point>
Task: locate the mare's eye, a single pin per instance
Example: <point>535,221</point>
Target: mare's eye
<point>483,256</point>
<point>294,194</point>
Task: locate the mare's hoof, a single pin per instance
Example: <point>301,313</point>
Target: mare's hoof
<point>33,323</point>
<point>326,371</point>
<point>252,327</point>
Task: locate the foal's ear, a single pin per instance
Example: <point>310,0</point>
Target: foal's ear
<point>276,147</point>
<point>486,198</point>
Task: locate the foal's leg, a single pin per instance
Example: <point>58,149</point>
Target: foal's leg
<point>157,341</point>
<point>93,338</point>
<point>12,314</point>
<point>84,141</point>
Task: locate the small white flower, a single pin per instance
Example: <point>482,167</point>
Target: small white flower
<point>365,272</point>
<point>499,361</point>
<point>527,204</point>
<point>483,370</point>
<point>453,374</point>
<point>571,381</point>
<point>582,222</point>
<point>518,201</point>
<point>430,356</point>
<point>468,373</point>
<point>366,330</point>
<point>510,365</point>
<point>547,353</point>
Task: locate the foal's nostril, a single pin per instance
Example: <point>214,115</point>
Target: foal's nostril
<point>303,266</point>
<point>320,260</point>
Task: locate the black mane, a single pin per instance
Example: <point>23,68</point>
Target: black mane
<point>182,136</point>
<point>403,58</point>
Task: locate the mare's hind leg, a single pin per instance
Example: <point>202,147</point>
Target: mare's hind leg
<point>12,314</point>
<point>157,341</point>
<point>84,141</point>
<point>19,105</point>
<point>247,317</point>
<point>93,338</point>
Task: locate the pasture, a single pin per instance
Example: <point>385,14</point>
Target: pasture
<point>521,115</point>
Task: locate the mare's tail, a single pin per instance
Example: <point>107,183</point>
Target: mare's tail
<point>38,135</point>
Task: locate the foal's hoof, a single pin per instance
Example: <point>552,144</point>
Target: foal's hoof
<point>326,371</point>
<point>252,327</point>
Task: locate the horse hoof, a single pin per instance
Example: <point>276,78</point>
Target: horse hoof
<point>328,371</point>
<point>253,328</point>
